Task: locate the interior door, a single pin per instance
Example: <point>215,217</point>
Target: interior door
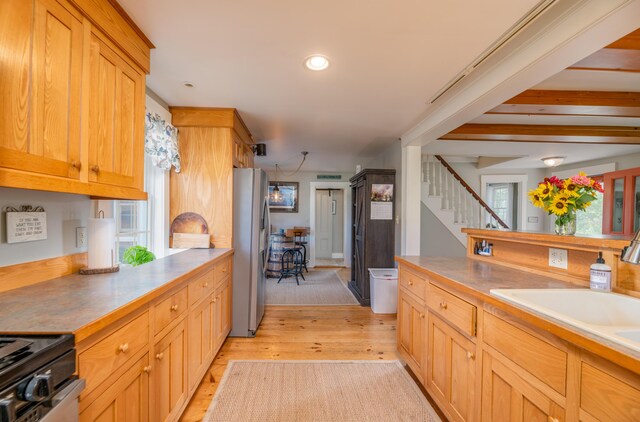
<point>324,225</point>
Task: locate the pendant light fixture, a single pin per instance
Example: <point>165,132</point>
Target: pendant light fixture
<point>276,195</point>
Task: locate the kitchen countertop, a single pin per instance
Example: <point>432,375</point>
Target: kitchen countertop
<point>82,304</point>
<point>477,278</point>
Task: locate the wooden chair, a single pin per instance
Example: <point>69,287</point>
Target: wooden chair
<point>292,264</point>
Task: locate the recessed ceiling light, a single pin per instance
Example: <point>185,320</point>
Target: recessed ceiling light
<point>316,62</point>
<point>189,84</point>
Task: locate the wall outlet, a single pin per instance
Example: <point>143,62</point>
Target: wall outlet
<point>558,258</point>
<point>81,237</point>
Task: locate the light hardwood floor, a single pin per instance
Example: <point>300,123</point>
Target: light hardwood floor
<point>307,332</point>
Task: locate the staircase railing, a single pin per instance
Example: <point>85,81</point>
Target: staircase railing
<point>458,196</point>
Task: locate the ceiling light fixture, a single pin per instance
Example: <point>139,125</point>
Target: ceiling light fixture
<point>553,161</point>
<point>316,62</point>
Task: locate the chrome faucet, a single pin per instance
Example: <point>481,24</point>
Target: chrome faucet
<point>631,253</point>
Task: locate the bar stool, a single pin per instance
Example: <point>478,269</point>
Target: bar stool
<point>292,263</point>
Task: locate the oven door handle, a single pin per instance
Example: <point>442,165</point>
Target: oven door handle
<point>64,405</point>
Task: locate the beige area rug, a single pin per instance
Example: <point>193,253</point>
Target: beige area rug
<point>321,287</point>
<point>322,391</point>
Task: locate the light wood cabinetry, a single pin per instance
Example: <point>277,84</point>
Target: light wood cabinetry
<point>480,362</point>
<point>451,369</point>
<point>41,117</point>
<point>411,331</point>
<point>124,401</point>
<point>116,117</point>
<point>508,397</point>
<point>169,383</point>
<point>72,98</point>
<point>147,365</point>
<point>211,140</point>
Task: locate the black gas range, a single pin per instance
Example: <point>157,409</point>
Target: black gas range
<point>36,378</point>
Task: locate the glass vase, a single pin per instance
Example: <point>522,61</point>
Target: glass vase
<point>566,224</point>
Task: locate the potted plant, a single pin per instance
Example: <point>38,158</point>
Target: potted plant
<point>137,255</point>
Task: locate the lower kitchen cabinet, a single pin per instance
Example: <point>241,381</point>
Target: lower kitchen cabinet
<point>169,386</point>
<point>201,341</point>
<point>508,397</point>
<point>411,331</point>
<point>451,369</point>
<point>126,400</point>
<point>221,300</point>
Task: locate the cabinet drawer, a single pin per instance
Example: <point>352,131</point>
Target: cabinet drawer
<point>100,360</point>
<point>200,287</point>
<point>413,283</point>
<point>541,359</point>
<point>457,312</point>
<point>169,309</point>
<point>607,397</point>
<point>222,269</point>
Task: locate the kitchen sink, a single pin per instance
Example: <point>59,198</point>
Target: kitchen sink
<point>613,316</point>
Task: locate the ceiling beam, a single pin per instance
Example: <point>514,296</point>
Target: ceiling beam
<point>572,103</point>
<point>545,133</point>
<point>622,55</point>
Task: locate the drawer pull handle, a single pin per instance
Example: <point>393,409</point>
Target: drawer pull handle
<point>471,355</point>
<point>443,305</point>
<point>95,169</point>
<point>147,369</point>
<point>174,308</point>
<point>410,283</point>
<point>124,347</point>
<point>76,165</point>
<point>205,284</point>
<point>159,356</point>
<point>421,315</point>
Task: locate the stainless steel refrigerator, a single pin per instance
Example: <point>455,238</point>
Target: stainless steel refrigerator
<point>251,226</point>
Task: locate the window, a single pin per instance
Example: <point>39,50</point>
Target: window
<point>589,222</point>
<point>138,221</point>
<point>502,198</point>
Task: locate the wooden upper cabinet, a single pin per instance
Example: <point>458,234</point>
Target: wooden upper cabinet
<point>116,117</point>
<point>41,132</point>
<point>72,94</point>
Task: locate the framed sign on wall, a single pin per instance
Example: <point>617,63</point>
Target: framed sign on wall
<point>283,196</point>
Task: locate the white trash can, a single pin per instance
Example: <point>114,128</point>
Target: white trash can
<point>384,290</point>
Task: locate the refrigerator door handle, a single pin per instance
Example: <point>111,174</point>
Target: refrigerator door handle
<point>266,221</point>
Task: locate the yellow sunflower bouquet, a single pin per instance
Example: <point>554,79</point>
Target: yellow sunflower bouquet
<point>563,198</point>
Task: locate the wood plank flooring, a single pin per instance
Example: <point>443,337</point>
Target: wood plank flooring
<point>306,332</point>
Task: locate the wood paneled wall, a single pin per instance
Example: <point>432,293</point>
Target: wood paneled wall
<point>205,184</point>
<point>530,252</point>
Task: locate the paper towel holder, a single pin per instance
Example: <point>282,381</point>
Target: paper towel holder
<point>91,271</point>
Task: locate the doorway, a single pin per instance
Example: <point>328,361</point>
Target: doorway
<point>506,195</point>
<point>340,222</point>
<point>329,238</point>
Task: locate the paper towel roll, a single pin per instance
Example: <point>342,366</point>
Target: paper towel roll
<point>101,243</point>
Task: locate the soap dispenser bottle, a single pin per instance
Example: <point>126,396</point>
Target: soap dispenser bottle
<point>600,278</point>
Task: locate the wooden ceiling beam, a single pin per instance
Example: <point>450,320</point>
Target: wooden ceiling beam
<point>622,55</point>
<point>545,133</point>
<point>572,103</point>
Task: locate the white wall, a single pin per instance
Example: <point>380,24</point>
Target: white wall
<point>435,238</point>
<point>621,162</point>
<point>287,220</point>
<point>64,211</point>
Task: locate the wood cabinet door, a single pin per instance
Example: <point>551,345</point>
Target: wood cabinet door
<point>621,209</point>
<point>411,335</point>
<point>451,369</point>
<point>221,314</point>
<point>169,382</point>
<point>41,81</point>
<point>508,397</point>
<point>116,117</point>
<point>126,400</point>
<point>200,341</point>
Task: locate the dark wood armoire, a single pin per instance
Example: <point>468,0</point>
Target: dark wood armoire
<point>373,227</point>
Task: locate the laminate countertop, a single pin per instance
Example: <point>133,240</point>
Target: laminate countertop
<point>82,304</point>
<point>477,278</point>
